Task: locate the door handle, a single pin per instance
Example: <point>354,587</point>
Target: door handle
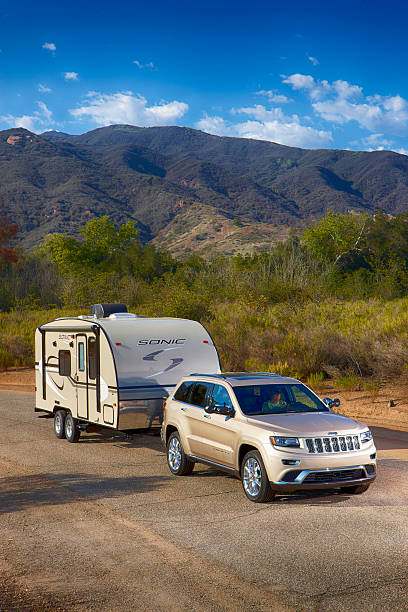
<point>207,416</point>
<point>183,409</point>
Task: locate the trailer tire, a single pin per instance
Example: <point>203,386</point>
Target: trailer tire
<point>72,432</point>
<point>178,462</point>
<point>59,424</point>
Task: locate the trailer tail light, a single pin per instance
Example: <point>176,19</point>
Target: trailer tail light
<point>121,406</point>
<point>205,342</point>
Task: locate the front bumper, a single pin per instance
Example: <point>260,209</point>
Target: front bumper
<point>327,479</point>
<point>293,469</point>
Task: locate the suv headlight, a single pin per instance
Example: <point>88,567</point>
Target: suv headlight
<point>366,436</point>
<point>287,442</point>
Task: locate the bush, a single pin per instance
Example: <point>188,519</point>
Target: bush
<point>348,383</point>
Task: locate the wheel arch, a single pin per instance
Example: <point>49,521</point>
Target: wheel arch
<point>169,430</point>
<point>243,450</point>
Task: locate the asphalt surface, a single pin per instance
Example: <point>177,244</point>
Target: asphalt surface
<point>312,551</point>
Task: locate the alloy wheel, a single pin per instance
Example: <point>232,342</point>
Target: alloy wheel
<point>252,477</point>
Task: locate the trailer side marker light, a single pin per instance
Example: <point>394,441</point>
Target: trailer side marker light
<point>205,341</point>
<point>118,343</point>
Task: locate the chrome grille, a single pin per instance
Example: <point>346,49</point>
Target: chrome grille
<point>333,444</point>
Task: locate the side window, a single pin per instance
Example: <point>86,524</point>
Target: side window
<point>182,393</point>
<point>92,358</point>
<point>199,394</point>
<point>220,396</point>
<point>64,363</point>
<point>81,356</point>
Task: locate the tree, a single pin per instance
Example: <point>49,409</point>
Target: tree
<point>336,236</point>
<point>101,249</point>
<point>7,232</point>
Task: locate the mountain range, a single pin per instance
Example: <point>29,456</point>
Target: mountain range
<point>172,179</point>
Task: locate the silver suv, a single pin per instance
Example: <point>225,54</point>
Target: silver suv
<point>271,431</point>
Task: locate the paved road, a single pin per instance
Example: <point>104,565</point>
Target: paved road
<point>313,551</point>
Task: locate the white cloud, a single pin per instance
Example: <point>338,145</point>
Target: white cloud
<point>375,142</point>
<point>341,102</point>
<point>274,97</point>
<point>124,107</point>
<point>43,88</point>
<point>34,122</point>
<point>141,65</point>
<point>215,125</point>
<point>299,81</point>
<point>49,46</point>
<point>314,61</point>
<point>45,112</point>
<point>71,76</point>
<point>272,125</point>
<point>25,121</point>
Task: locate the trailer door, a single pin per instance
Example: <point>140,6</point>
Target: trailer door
<point>81,377</point>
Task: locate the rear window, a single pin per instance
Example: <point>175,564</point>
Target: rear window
<point>199,394</point>
<point>182,393</point>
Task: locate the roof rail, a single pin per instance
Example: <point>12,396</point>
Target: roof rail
<point>226,375</point>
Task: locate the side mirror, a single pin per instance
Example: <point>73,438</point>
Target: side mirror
<point>225,410</point>
<point>332,403</point>
<point>209,409</point>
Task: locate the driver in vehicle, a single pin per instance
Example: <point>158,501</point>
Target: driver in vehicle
<point>274,402</point>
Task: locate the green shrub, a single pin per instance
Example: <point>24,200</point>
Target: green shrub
<point>348,383</point>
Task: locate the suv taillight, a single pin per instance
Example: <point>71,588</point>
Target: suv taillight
<point>164,406</point>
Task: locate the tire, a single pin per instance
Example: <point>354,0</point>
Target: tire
<point>255,479</point>
<point>179,464</point>
<point>59,424</point>
<point>356,489</point>
<point>72,432</point>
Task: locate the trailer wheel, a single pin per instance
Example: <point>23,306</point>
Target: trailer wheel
<point>179,464</point>
<point>72,432</point>
<point>59,424</point>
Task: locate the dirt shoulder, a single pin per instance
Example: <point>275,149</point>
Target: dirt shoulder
<point>387,406</point>
<point>20,379</point>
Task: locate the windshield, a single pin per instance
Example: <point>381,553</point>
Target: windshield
<point>277,399</point>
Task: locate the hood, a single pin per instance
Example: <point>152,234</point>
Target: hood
<point>307,424</point>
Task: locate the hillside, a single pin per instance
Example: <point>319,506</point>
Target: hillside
<point>55,182</point>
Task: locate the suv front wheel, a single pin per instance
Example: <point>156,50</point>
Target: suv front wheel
<point>178,462</point>
<point>255,479</point>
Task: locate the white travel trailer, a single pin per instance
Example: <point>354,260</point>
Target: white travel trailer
<point>115,369</point>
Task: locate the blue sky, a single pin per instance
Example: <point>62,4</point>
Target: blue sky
<point>308,74</point>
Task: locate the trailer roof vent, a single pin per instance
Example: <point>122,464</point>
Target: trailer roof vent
<point>123,315</point>
<point>101,311</point>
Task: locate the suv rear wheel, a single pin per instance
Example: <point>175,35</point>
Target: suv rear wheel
<point>178,462</point>
<point>254,478</point>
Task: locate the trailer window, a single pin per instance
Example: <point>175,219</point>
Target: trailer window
<point>64,363</point>
<point>92,358</point>
<point>81,357</point>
